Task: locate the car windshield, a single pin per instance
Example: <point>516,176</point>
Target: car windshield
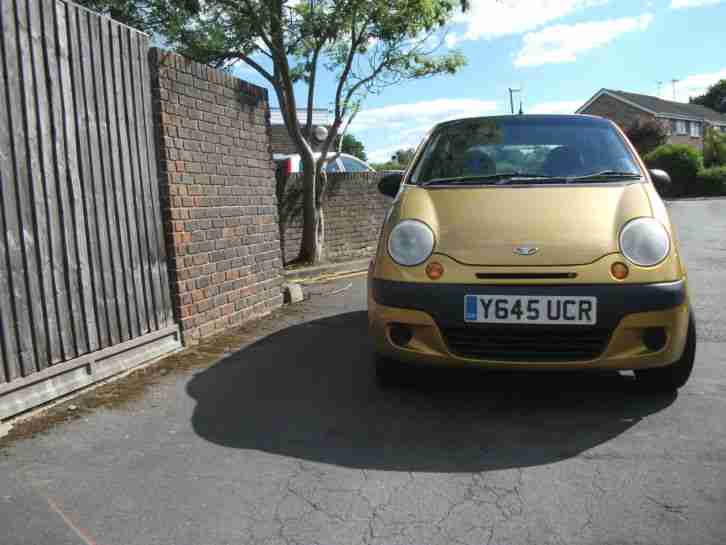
<point>525,149</point>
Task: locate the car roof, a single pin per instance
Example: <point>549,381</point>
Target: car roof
<point>524,118</point>
<point>279,156</point>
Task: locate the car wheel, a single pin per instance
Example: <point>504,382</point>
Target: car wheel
<point>388,371</point>
<point>675,375</point>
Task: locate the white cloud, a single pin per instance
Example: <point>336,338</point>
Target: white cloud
<point>451,40</point>
<point>488,19</point>
<point>555,107</point>
<point>691,86</point>
<point>562,43</point>
<point>404,125</point>
<point>678,4</point>
<point>425,113</point>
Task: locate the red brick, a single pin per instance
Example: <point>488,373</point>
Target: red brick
<point>217,176</point>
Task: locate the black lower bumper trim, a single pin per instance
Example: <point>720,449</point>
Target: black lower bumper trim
<point>526,342</point>
<point>445,302</point>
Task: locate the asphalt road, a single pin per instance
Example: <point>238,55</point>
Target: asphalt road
<point>290,441</point>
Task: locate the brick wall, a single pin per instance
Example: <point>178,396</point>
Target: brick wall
<point>621,113</point>
<point>354,211</point>
<point>624,115</point>
<point>280,141</point>
<point>218,189</point>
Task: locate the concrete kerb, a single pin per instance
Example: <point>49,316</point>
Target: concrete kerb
<point>5,428</point>
<point>292,293</point>
<point>304,275</point>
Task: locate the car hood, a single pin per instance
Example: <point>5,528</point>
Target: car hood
<point>568,225</point>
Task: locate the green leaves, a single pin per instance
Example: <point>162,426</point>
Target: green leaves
<point>714,98</point>
<point>399,160</point>
<point>352,146</point>
<point>368,45</point>
<point>714,148</point>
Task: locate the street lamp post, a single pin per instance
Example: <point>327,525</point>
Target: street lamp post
<point>511,98</point>
<point>511,101</point>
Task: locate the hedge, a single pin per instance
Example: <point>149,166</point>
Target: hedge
<point>712,181</point>
<point>682,163</point>
<point>714,148</point>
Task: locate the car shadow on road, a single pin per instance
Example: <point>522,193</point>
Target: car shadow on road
<point>310,392</point>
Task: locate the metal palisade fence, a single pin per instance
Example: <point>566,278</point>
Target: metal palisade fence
<point>84,292</point>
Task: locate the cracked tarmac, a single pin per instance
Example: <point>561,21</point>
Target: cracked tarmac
<point>288,440</point>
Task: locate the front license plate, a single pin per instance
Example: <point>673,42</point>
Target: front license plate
<point>530,309</point>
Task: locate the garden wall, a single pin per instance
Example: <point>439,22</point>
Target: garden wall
<point>354,211</point>
<point>218,195</point>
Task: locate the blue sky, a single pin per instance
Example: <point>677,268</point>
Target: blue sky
<point>559,52</point>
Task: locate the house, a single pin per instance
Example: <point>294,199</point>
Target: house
<point>280,140</point>
<point>684,121</point>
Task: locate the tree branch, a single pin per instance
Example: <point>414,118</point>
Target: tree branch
<point>354,44</point>
<point>311,87</point>
<point>258,67</point>
<point>251,13</point>
<point>354,89</point>
<point>284,87</point>
<point>345,129</point>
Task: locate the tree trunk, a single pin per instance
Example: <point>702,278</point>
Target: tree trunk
<point>312,245</point>
<point>320,234</point>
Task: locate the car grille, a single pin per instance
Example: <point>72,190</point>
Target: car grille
<point>526,343</point>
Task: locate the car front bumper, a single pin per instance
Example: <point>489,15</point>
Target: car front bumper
<point>433,313</point>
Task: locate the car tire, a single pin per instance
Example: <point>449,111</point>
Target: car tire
<point>388,371</point>
<point>672,377</point>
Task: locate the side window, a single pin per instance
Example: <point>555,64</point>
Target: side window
<point>332,166</point>
<point>353,165</point>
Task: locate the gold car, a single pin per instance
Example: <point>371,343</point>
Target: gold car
<point>530,242</point>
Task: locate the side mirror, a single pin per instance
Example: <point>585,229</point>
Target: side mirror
<point>660,177</point>
<point>390,184</point>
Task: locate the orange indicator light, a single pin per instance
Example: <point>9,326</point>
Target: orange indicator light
<point>619,270</point>
<point>434,270</point>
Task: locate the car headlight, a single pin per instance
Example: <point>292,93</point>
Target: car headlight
<point>644,242</point>
<point>410,243</point>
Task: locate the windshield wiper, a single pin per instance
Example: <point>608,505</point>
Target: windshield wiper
<point>605,175</point>
<point>501,177</point>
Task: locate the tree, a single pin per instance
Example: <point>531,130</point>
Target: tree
<point>144,15</point>
<point>367,46</point>
<point>646,135</point>
<point>714,148</point>
<point>133,13</point>
<point>404,156</point>
<point>399,160</point>
<point>352,146</point>
<point>714,98</point>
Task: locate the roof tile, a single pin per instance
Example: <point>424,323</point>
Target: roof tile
<point>669,107</point>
